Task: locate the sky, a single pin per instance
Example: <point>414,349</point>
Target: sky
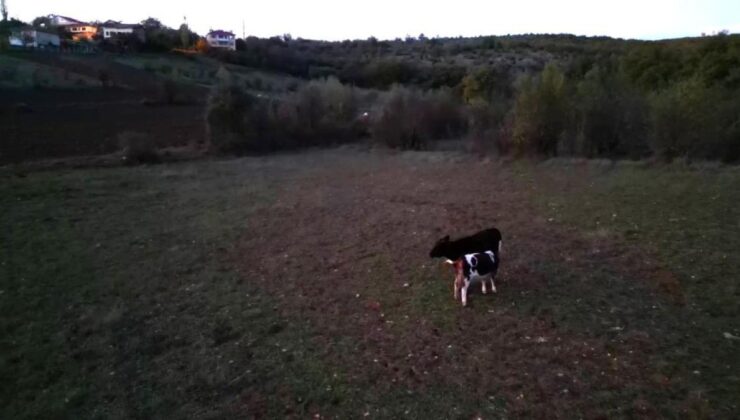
<point>388,19</point>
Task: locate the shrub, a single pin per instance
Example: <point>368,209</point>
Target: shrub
<point>319,113</point>
<point>487,128</point>
<point>611,118</point>
<point>540,113</point>
<point>234,119</point>
<point>693,121</point>
<point>486,83</point>
<point>137,148</point>
<point>409,119</point>
<point>202,46</point>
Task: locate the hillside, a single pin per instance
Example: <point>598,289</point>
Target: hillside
<point>58,105</point>
<point>604,97</point>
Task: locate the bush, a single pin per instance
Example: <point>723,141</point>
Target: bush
<point>326,108</point>
<point>319,113</point>
<point>540,113</point>
<point>234,119</point>
<point>487,127</point>
<point>409,119</point>
<point>486,83</point>
<point>611,118</point>
<point>693,121</point>
<point>137,148</point>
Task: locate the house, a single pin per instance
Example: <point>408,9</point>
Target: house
<point>221,39</point>
<point>111,30</point>
<point>28,37</point>
<point>57,20</point>
<point>79,30</point>
<point>82,32</point>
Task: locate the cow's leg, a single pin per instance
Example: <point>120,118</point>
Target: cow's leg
<point>457,286</point>
<point>493,286</point>
<point>465,294</point>
<point>485,289</point>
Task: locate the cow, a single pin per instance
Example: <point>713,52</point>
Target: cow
<point>485,240</point>
<point>469,268</point>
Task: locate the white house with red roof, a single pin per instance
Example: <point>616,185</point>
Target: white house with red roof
<point>221,39</point>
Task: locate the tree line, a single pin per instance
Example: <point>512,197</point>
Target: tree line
<point>548,95</point>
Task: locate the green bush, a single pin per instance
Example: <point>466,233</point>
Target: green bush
<point>487,83</point>
<point>319,113</point>
<point>691,120</point>
<point>233,117</point>
<point>540,113</point>
<point>487,127</point>
<point>611,118</point>
<point>409,119</point>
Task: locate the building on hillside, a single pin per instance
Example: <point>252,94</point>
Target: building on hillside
<point>82,31</point>
<point>57,20</point>
<point>28,37</point>
<point>111,30</point>
<point>221,39</point>
<point>77,29</point>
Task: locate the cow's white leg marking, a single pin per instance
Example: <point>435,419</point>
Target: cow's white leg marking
<point>493,285</point>
<point>485,291</point>
<point>465,294</point>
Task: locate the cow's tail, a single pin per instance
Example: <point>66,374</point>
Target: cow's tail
<point>500,243</point>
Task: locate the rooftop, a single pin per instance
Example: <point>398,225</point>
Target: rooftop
<point>219,32</point>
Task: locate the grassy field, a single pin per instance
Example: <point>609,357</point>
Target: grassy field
<point>298,285</point>
<point>17,73</point>
<point>203,71</point>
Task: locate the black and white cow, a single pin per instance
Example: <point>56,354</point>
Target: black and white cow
<point>485,240</point>
<point>480,266</point>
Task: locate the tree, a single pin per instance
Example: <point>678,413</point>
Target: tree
<point>201,45</point>
<point>694,121</point>
<point>185,35</point>
<point>151,23</point>
<point>42,22</point>
<point>540,113</point>
<point>241,45</point>
<point>486,83</point>
<point>6,28</point>
<point>4,9</point>
<point>611,117</point>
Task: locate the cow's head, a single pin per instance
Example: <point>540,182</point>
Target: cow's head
<point>440,248</point>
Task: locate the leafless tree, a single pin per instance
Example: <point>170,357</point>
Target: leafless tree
<point>4,9</point>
